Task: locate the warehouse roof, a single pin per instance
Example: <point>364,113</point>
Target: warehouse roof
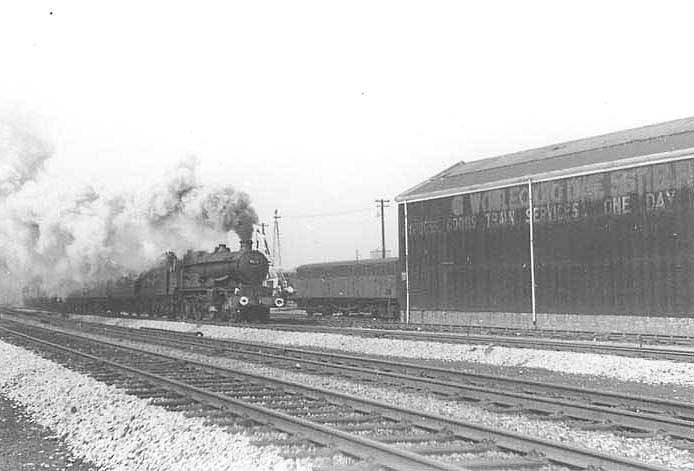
<point>614,148</point>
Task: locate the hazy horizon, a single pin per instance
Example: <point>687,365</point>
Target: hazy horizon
<point>317,109</point>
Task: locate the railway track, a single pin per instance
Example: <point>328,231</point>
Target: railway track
<point>586,408</point>
<point>368,432</point>
<point>629,345</point>
<point>624,414</point>
<point>639,351</point>
<point>581,408</point>
<point>282,316</point>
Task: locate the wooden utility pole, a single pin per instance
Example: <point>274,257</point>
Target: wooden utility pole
<point>383,204</point>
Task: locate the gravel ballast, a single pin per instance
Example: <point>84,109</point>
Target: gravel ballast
<point>27,446</point>
<point>115,431</point>
<point>611,366</point>
<point>652,450</point>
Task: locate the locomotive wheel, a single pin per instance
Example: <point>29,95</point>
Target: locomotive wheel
<point>263,314</point>
<point>258,314</point>
<point>170,310</point>
<point>187,310</point>
<point>255,314</point>
<point>234,316</point>
<point>220,315</point>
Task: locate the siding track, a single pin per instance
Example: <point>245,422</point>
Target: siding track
<point>640,350</point>
<point>583,408</point>
<point>361,429</point>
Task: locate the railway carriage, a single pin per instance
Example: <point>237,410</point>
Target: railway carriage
<point>348,287</point>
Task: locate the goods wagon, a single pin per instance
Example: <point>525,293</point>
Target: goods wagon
<point>613,229</point>
<point>348,287</point>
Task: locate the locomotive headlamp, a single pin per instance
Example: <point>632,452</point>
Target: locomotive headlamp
<point>243,301</point>
<point>279,302</point>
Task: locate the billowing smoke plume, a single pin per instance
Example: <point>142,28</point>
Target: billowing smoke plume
<point>221,209</point>
<point>22,156</point>
<point>58,238</point>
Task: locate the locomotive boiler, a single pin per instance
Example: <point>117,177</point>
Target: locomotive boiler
<point>229,284</point>
<point>221,285</point>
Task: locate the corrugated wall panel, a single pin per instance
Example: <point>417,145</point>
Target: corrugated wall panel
<point>616,242</point>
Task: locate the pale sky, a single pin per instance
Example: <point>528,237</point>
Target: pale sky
<point>318,108</point>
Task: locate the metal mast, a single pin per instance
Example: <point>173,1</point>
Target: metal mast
<point>532,251</point>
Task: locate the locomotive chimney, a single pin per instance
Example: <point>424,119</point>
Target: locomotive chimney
<point>246,245</point>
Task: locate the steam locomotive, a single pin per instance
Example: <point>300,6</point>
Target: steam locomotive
<point>221,285</point>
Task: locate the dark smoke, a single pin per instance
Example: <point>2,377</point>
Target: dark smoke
<point>228,210</point>
<point>60,238</point>
<point>220,208</point>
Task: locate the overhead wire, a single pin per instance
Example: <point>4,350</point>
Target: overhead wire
<point>321,215</point>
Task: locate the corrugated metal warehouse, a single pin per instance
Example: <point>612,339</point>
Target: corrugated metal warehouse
<point>612,225</point>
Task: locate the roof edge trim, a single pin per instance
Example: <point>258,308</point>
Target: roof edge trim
<point>640,161</point>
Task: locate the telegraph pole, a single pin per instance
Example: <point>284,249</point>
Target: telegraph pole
<point>276,248</point>
<point>383,204</point>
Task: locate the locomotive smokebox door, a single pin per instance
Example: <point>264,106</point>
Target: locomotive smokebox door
<point>249,266</point>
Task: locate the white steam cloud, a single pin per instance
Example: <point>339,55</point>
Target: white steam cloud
<point>57,238</point>
<point>22,156</point>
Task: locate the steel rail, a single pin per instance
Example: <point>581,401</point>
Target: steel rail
<point>595,339</point>
<point>423,374</point>
<point>556,452</point>
<point>366,449</point>
<point>608,408</point>
<point>679,424</point>
<point>679,354</point>
<point>469,329</point>
<point>440,380</point>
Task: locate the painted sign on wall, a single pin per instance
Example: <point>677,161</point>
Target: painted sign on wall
<point>641,190</point>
